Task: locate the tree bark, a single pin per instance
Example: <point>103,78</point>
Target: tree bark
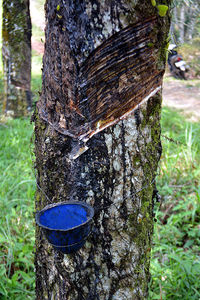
<point>16,53</point>
<point>174,25</point>
<point>192,16</point>
<point>182,24</point>
<point>115,172</point>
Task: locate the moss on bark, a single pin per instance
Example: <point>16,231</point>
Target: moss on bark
<point>116,175</point>
<point>16,53</point>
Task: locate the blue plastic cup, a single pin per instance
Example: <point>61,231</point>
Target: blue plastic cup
<point>66,225</point>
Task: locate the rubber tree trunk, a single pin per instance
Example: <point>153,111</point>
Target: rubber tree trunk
<point>93,143</point>
<point>16,53</point>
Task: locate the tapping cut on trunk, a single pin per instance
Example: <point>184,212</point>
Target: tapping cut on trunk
<point>113,80</point>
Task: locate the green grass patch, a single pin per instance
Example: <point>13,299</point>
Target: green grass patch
<point>1,64</point>
<point>17,186</point>
<point>175,264</point>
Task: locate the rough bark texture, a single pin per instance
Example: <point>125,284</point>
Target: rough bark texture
<point>116,175</point>
<point>109,84</point>
<point>16,53</point>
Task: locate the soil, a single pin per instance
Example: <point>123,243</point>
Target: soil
<point>183,95</point>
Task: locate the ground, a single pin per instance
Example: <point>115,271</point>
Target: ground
<point>183,95</point>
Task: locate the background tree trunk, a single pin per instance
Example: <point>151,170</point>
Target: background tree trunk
<point>16,52</point>
<point>116,175</point>
<point>182,24</point>
<point>174,24</point>
<point>193,14</point>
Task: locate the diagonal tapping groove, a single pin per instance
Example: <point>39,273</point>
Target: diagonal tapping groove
<point>115,78</point>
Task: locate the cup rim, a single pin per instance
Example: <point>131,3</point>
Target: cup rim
<point>49,206</point>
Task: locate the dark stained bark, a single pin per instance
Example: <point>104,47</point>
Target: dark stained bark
<point>112,81</point>
<point>113,170</point>
<point>16,53</point>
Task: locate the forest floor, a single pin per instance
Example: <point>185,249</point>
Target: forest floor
<point>183,95</point>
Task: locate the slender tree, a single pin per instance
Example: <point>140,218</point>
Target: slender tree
<point>93,143</point>
<point>16,53</point>
<point>182,24</point>
<point>185,20</point>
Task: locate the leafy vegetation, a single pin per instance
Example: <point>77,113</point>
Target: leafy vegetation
<point>162,10</point>
<point>17,187</point>
<point>175,264</point>
<point>1,65</point>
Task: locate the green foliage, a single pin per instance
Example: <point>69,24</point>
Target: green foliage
<point>1,64</point>
<point>17,187</point>
<point>153,2</point>
<point>16,211</point>
<point>175,265</point>
<point>162,10</point>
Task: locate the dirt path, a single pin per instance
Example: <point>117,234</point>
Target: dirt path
<point>183,95</point>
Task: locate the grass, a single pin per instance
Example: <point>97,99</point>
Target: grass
<point>17,186</point>
<point>175,264</point>
<point>1,65</point>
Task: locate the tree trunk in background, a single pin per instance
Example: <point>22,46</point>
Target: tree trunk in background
<point>16,52</point>
<point>175,17</point>
<point>174,25</point>
<point>116,175</point>
<point>182,23</point>
<point>193,15</point>
<point>191,28</point>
